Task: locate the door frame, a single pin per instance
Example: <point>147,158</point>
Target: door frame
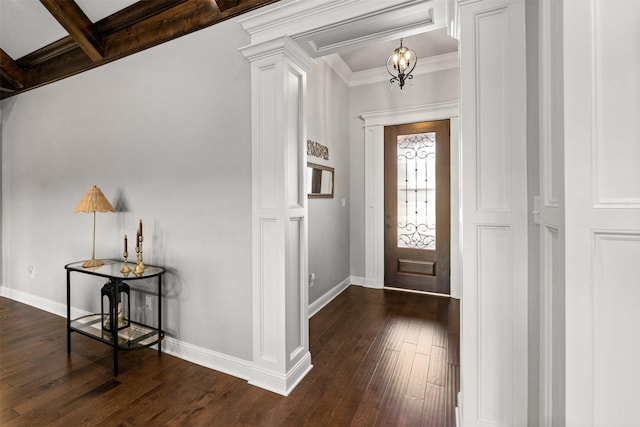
<point>374,123</point>
<point>396,274</point>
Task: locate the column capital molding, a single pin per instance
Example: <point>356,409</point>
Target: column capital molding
<point>282,46</point>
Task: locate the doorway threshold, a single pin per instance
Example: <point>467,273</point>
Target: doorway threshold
<point>413,291</point>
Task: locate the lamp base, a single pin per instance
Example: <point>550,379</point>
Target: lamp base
<point>92,263</point>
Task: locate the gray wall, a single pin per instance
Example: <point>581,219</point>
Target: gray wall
<point>440,86</point>
<point>327,123</point>
<point>166,135</point>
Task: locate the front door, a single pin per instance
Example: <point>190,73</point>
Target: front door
<point>416,203</point>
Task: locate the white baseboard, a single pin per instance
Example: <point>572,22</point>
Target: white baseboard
<point>40,303</point>
<point>208,358</point>
<point>325,299</point>
<point>366,283</point>
<point>357,280</point>
<point>192,353</point>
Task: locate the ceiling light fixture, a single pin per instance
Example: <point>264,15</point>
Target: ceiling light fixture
<point>400,65</point>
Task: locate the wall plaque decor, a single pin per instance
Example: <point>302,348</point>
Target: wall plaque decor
<point>317,150</point>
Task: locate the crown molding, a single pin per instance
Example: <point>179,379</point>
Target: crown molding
<point>267,24</point>
<point>303,18</point>
<point>447,61</point>
<point>378,26</point>
<point>338,65</point>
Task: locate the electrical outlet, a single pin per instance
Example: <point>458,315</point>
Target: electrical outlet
<point>312,280</point>
<point>32,271</point>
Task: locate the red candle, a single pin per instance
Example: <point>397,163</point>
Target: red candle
<point>137,239</point>
<point>141,226</point>
<point>125,243</point>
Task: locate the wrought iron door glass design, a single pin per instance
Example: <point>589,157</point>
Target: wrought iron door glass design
<point>417,191</point>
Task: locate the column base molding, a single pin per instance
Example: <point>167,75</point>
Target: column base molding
<point>281,383</point>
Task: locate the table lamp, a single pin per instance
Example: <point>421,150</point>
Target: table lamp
<point>94,201</point>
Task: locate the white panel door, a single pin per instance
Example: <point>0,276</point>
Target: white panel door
<point>602,208</point>
<point>494,213</point>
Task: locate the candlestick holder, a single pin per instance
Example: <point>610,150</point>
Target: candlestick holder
<point>140,264</point>
<point>126,269</point>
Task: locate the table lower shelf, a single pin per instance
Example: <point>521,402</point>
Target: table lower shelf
<point>134,336</point>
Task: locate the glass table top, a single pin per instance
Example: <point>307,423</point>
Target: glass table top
<point>111,269</point>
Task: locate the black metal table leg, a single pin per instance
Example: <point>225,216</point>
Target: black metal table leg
<point>68,312</point>
<point>114,325</point>
<point>160,314</point>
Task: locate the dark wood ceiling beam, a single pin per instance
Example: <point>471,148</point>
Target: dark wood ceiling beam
<point>142,25</point>
<point>10,72</point>
<point>118,21</point>
<point>184,18</point>
<point>175,22</point>
<point>227,4</point>
<point>79,27</point>
<point>51,51</point>
<point>133,14</point>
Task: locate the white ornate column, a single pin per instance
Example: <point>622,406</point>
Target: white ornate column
<point>281,355</point>
<point>494,335</point>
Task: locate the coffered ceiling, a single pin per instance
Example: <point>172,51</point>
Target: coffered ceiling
<point>42,41</point>
<point>426,45</point>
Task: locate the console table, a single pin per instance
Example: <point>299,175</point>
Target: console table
<point>135,335</point>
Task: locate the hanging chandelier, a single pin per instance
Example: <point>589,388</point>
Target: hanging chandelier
<point>400,65</point>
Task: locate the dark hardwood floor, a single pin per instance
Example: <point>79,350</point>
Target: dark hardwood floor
<point>382,358</point>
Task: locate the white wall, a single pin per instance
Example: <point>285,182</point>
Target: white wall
<point>328,124</point>
<point>164,133</point>
<point>424,89</point>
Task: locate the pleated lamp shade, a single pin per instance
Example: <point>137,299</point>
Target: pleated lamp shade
<point>92,202</point>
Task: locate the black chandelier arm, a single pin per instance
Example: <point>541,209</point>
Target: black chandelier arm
<point>403,61</point>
